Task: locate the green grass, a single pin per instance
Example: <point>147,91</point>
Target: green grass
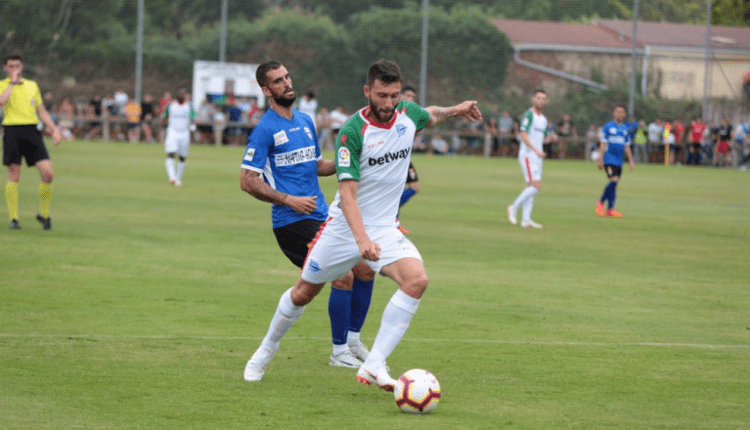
<point>141,308</point>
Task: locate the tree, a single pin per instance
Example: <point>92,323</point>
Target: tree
<point>735,13</point>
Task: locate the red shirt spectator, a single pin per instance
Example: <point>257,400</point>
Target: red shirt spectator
<point>697,128</point>
<point>165,100</point>
<point>679,130</point>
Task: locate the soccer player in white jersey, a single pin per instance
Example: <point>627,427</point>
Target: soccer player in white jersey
<point>179,115</point>
<point>373,151</point>
<point>533,130</point>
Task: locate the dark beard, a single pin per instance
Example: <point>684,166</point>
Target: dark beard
<point>285,102</point>
<point>375,112</point>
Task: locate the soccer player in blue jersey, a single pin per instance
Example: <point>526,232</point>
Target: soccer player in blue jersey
<point>614,141</point>
<point>281,165</point>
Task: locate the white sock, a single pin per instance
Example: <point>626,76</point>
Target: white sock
<point>286,314</point>
<point>352,338</point>
<point>396,318</point>
<point>528,191</point>
<point>528,205</point>
<point>340,349</point>
<point>170,168</point>
<point>180,170</point>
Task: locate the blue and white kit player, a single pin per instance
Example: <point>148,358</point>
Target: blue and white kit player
<point>614,142</point>
<point>281,165</point>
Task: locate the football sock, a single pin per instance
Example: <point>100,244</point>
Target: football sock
<point>406,195</point>
<point>286,314</point>
<point>396,318</point>
<point>11,196</point>
<point>612,195</point>
<point>528,191</point>
<point>45,195</point>
<point>180,169</point>
<point>528,205</point>
<point>607,194</point>
<point>361,297</point>
<point>353,338</point>
<point>170,168</point>
<point>339,311</point>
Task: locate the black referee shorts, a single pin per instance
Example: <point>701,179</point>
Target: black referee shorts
<point>23,141</point>
<point>294,239</point>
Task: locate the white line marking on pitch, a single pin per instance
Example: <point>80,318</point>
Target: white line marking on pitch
<point>480,341</point>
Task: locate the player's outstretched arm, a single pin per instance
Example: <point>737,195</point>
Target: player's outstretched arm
<point>468,109</point>
<point>253,184</point>
<point>368,249</point>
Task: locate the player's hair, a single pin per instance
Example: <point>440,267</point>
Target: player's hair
<point>539,90</point>
<point>12,57</point>
<point>181,95</point>
<point>262,71</point>
<point>620,105</point>
<point>384,71</point>
<point>311,94</point>
<point>406,88</point>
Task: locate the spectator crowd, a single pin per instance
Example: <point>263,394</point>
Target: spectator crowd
<point>229,119</point>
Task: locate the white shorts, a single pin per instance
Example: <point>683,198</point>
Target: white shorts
<point>334,251</point>
<point>177,142</point>
<point>531,167</point>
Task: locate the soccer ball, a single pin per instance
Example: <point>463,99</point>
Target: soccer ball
<point>417,392</point>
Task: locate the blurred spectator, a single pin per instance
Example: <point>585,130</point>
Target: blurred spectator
<point>164,101</point>
<point>566,130</point>
<point>121,99</point>
<point>654,134</point>
<point>93,123</point>
<point>639,143</point>
<point>220,122</point>
<point>468,135</point>
<point>337,117</point>
<point>551,139</point>
<point>741,133</point>
<point>438,145</point>
<point>723,137</point>
<point>678,131</point>
<point>697,128</point>
<point>133,117</point>
<point>308,105</point>
<point>592,142</point>
<point>253,115</point>
<point>505,128</point>
<point>419,146</point>
<point>66,122</point>
<point>323,126</point>
<point>109,106</point>
<point>203,119</point>
<point>234,132</point>
<point>492,134</point>
<point>148,114</point>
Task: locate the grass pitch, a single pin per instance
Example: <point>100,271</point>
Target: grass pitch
<point>141,308</point>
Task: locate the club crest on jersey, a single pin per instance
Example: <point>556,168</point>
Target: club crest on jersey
<point>344,159</point>
<point>309,133</point>
<point>249,154</point>
<point>400,129</point>
<point>613,130</point>
<point>280,138</point>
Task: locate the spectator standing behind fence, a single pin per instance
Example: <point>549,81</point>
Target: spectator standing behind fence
<point>204,117</point>
<point>723,137</point>
<point>678,131</point>
<point>234,133</point>
<point>740,134</point>
<point>133,118</point>
<point>438,145</point>
<point>121,99</point>
<point>66,113</point>
<point>147,117</point>
<point>505,127</point>
<point>697,128</point>
<point>492,133</point>
<point>309,105</point>
<point>338,117</point>
<point>592,142</point>
<point>323,127</point>
<point>639,143</point>
<point>566,130</point>
<point>655,132</point>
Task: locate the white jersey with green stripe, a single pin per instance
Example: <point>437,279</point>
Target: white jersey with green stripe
<point>535,125</point>
<point>377,156</point>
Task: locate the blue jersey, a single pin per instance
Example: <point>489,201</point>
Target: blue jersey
<point>617,137</point>
<point>286,153</point>
<point>632,128</point>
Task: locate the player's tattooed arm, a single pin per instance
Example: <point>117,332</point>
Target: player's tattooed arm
<point>253,184</point>
<point>468,109</point>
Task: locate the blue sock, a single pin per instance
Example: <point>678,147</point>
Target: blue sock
<point>339,311</point>
<point>612,194</point>
<point>605,194</point>
<point>361,296</point>
<point>406,195</point>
